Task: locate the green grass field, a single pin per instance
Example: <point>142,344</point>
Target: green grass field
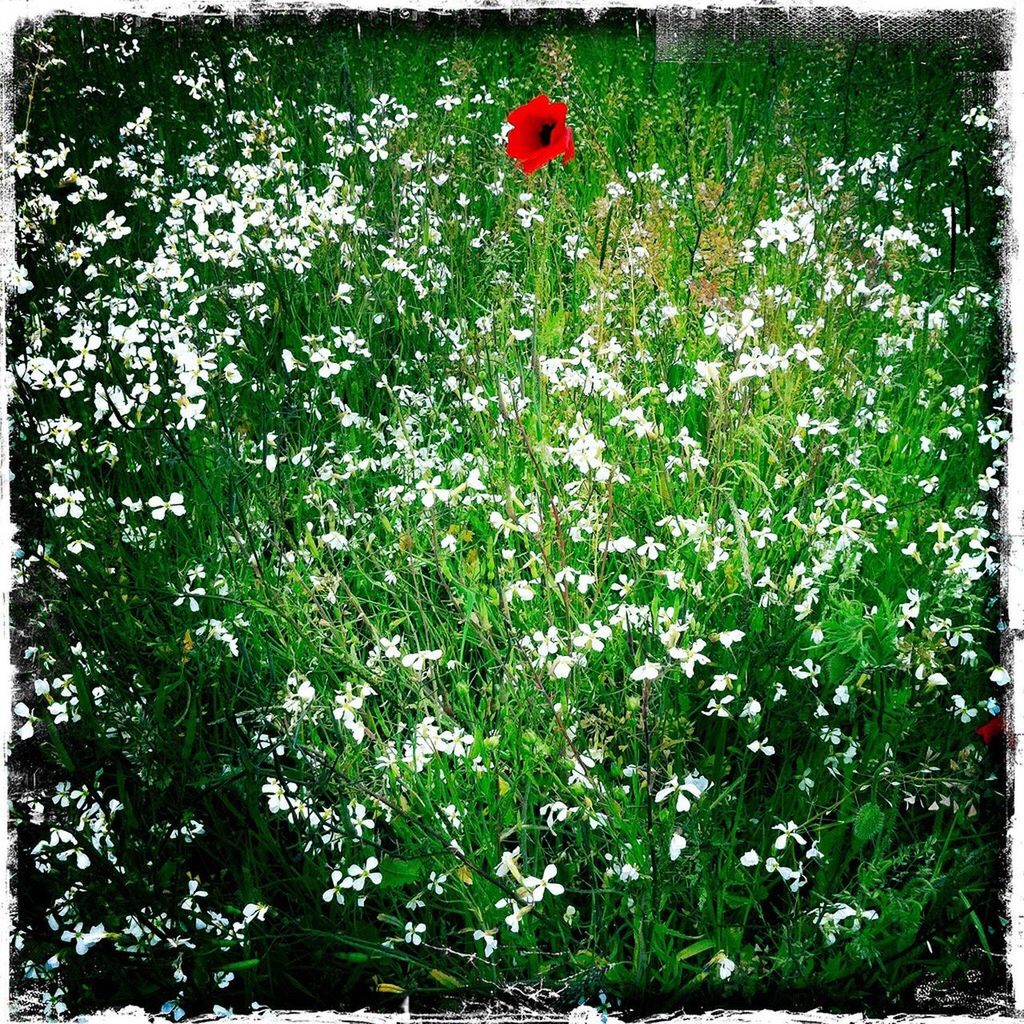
<point>446,582</point>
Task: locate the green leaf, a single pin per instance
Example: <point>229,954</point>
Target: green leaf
<point>695,948</point>
<point>241,965</point>
<point>400,872</point>
<point>445,979</point>
<point>868,822</point>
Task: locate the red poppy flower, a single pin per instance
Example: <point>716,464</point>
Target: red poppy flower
<point>539,134</point>
<point>991,729</point>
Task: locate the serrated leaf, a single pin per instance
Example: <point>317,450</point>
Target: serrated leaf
<point>400,872</point>
<point>868,822</point>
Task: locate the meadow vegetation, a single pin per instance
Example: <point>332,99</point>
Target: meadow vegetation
<point>438,580</point>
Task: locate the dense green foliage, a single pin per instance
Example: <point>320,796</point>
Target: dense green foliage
<point>439,580</point>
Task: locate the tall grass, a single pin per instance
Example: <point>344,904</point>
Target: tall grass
<point>444,581</point>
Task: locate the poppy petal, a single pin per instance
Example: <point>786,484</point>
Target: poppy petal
<point>539,134</point>
<point>991,729</point>
<point>537,106</point>
<point>556,112</point>
<point>521,143</point>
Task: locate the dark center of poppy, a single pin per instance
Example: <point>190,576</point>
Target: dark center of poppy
<point>545,133</point>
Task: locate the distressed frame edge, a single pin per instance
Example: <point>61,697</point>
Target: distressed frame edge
<point>16,12</point>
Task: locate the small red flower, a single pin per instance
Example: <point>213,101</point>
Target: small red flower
<point>991,729</point>
<point>539,134</point>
